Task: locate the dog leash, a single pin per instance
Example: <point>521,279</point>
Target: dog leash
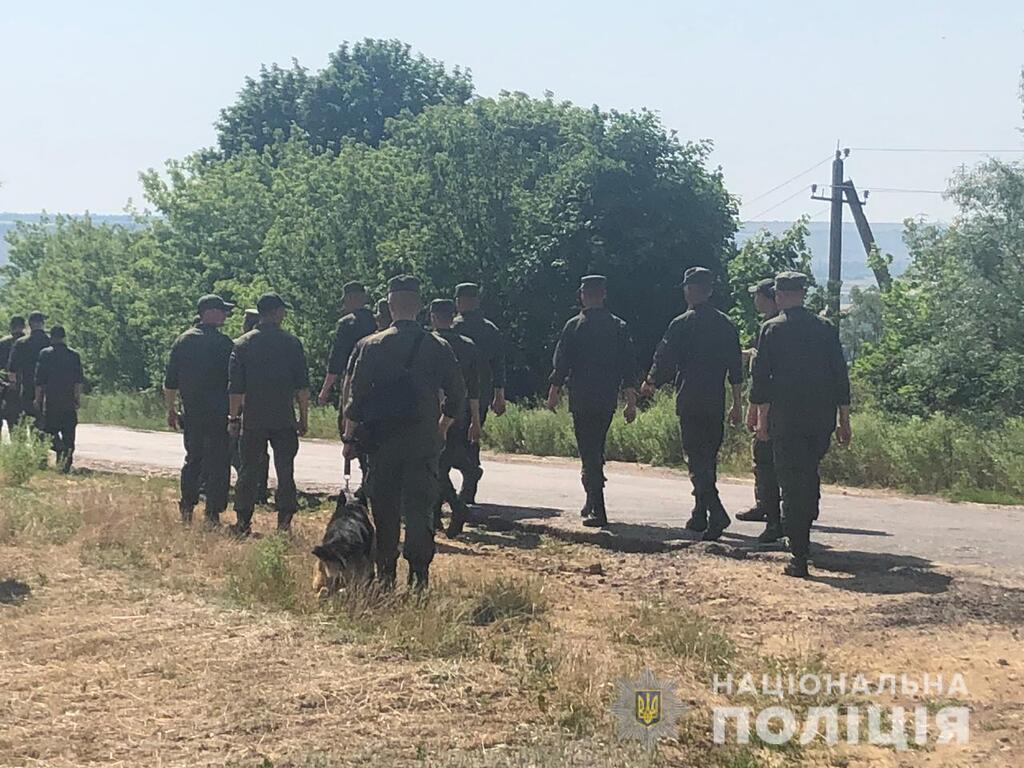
<point>348,474</point>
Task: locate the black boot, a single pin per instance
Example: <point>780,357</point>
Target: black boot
<point>588,506</point>
<point>698,516</point>
<point>186,512</point>
<point>460,513</point>
<point>243,524</point>
<point>756,514</point>
<point>419,578</point>
<point>470,481</point>
<point>284,522</point>
<point>718,520</point>
<point>386,576</point>
<point>211,520</point>
<point>797,567</point>
<point>598,516</point>
<point>771,534</point>
<point>438,521</point>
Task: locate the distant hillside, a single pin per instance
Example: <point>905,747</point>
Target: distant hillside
<point>888,235</point>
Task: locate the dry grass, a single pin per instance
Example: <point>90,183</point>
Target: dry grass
<point>146,643</point>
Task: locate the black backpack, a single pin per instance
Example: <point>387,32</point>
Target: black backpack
<point>391,406</point>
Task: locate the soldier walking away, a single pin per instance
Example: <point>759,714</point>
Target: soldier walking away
<point>10,403</point>
<point>490,345</point>
<point>465,432</point>
<point>800,382</point>
<point>267,375</point>
<point>250,321</point>
<point>21,368</point>
<point>700,350</point>
<point>767,496</point>
<point>383,316</point>
<point>394,409</point>
<point>59,395</point>
<point>595,355</point>
<point>197,372</point>
<point>355,325</point>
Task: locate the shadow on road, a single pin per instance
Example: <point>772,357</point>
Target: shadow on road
<point>849,531</point>
<point>877,573</point>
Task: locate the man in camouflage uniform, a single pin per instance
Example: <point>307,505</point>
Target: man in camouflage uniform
<point>767,495</point>
<point>21,368</point>
<point>267,375</point>
<point>406,361</point>
<point>59,395</point>
<point>197,371</point>
<point>700,350</point>
<point>10,403</point>
<point>595,355</point>
<point>465,432</point>
<point>801,389</point>
<point>490,345</point>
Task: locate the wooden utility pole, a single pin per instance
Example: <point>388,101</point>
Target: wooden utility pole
<point>882,276</point>
<point>835,234</point>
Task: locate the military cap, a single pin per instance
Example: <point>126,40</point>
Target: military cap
<point>765,287</point>
<point>404,283</point>
<point>698,276</point>
<point>213,301</point>
<point>252,313</point>
<point>58,332</point>
<point>268,302</point>
<point>790,281</point>
<point>443,307</point>
<point>36,317</point>
<point>17,320</point>
<point>467,291</point>
<point>593,282</point>
<point>353,286</point>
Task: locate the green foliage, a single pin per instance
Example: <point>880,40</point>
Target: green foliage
<point>953,332</point>
<point>28,515</point>
<point>263,577</point>
<point>352,98</point>
<point>23,455</point>
<point>138,410</point>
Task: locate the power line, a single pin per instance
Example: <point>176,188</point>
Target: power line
<point>897,189</point>
<point>788,181</point>
<point>938,149</point>
<point>800,191</point>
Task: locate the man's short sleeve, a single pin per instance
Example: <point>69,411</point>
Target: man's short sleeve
<point>300,371</point>
<point>236,371</point>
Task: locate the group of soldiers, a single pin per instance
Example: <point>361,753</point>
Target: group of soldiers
<point>800,396</point>
<point>413,403</point>
<point>42,381</point>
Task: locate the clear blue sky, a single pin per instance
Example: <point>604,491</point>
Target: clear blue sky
<point>93,92</point>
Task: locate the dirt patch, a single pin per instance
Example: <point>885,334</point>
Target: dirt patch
<point>146,643</point>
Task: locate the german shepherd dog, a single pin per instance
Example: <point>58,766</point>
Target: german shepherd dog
<point>347,550</point>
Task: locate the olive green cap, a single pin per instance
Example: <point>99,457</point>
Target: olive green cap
<point>252,313</point>
<point>698,276</point>
<point>404,283</point>
<point>593,282</point>
<point>269,302</point>
<point>765,287</point>
<point>353,286</point>
<point>790,281</point>
<point>442,307</point>
<point>467,291</point>
<point>213,301</point>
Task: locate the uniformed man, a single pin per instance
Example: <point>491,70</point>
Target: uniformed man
<point>10,403</point>
<point>409,367</point>
<point>250,321</point>
<point>800,382</point>
<point>465,432</point>
<point>383,316</point>
<point>767,496</point>
<point>595,355</point>
<point>357,323</point>
<point>21,368</point>
<point>267,375</point>
<point>700,350</point>
<point>197,372</point>
<point>490,345</point>
<point>59,394</point>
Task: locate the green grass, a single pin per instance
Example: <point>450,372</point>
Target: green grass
<point>30,515</point>
<point>679,633</point>
<point>23,455</point>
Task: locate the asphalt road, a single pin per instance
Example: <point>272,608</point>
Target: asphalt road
<point>649,505</point>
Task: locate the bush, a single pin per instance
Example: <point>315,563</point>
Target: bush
<point>23,456</point>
